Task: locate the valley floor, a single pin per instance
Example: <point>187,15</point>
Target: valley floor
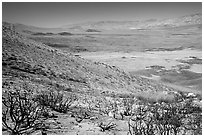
<point>156,65</point>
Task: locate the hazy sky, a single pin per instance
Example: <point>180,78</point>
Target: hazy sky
<point>58,14</point>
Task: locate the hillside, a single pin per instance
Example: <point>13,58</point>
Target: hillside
<point>101,90</point>
<point>25,60</point>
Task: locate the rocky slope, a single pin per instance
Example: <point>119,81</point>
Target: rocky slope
<point>24,60</point>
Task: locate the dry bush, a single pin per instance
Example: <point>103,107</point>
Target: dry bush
<point>89,102</point>
<point>128,105</point>
<point>141,122</point>
<point>98,104</point>
<point>81,115</point>
<point>116,106</point>
<point>20,114</point>
<point>103,105</point>
<point>108,126</point>
<point>56,100</point>
<point>166,119</point>
<point>193,117</point>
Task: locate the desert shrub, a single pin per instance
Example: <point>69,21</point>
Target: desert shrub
<point>194,124</point>
<point>141,122</point>
<point>169,119</point>
<point>81,115</point>
<point>55,100</point>
<point>105,126</point>
<point>113,105</point>
<point>166,119</point>
<point>20,114</point>
<point>101,104</point>
<point>90,103</point>
<point>193,114</point>
<point>64,105</point>
<point>128,103</point>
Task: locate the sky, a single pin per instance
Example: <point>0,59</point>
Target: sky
<point>55,14</point>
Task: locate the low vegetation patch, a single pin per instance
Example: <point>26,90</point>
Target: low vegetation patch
<point>56,100</point>
<point>108,126</point>
<point>166,119</point>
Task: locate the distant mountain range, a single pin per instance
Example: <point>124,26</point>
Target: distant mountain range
<point>143,24</point>
<point>101,26</point>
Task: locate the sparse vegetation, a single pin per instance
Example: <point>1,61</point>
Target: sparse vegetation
<point>20,114</point>
<point>55,100</point>
<point>128,106</point>
<point>166,119</point>
<point>108,126</point>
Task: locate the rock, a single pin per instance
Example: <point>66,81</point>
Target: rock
<point>191,95</point>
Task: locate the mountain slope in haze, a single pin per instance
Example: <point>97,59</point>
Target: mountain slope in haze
<point>188,20</point>
<point>24,60</point>
<point>27,29</point>
<point>194,19</point>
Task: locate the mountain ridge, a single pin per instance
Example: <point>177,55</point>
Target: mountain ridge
<point>148,23</point>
